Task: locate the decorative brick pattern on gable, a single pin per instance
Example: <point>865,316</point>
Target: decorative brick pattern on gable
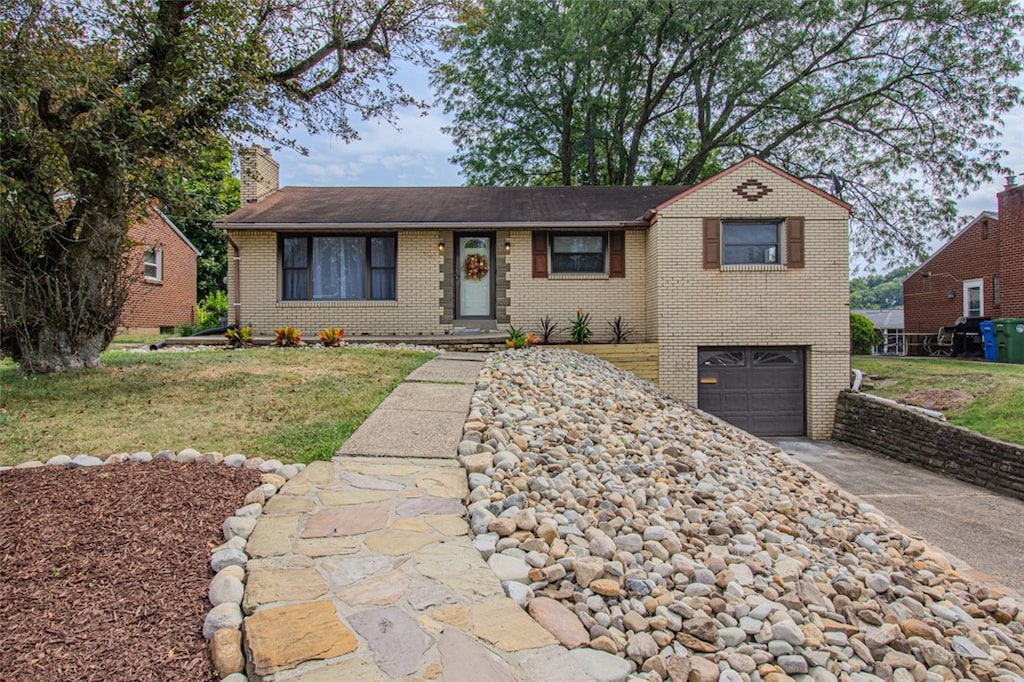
<point>171,301</point>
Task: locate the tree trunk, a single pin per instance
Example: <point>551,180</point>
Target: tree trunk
<point>61,303</point>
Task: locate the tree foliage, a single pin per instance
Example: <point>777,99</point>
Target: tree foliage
<point>890,105</point>
<point>193,199</point>
<point>879,291</point>
<point>101,101</point>
<point>862,334</point>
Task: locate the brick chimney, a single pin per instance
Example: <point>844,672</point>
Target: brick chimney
<point>1011,257</point>
<point>259,174</point>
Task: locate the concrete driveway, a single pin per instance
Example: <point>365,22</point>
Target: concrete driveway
<point>982,528</point>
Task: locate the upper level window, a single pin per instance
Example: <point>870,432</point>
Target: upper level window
<point>335,267</point>
<point>578,253</point>
<point>751,243</point>
<point>153,263</point>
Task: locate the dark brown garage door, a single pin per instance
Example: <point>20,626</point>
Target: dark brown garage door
<point>760,390</point>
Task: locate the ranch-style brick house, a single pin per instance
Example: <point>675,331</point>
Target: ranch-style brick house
<point>740,280</point>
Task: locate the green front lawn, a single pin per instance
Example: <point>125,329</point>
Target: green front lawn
<point>290,404</point>
<point>983,396</point>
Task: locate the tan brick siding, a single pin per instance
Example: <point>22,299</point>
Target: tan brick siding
<point>560,296</point>
<point>170,302</point>
<point>259,174</point>
<point>791,307</point>
<point>417,310</point>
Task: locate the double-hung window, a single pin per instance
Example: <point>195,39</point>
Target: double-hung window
<point>578,253</point>
<point>338,267</point>
<point>751,243</point>
<point>153,263</point>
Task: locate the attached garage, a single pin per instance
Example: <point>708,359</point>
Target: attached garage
<point>759,389</point>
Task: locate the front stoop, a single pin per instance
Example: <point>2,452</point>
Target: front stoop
<point>363,569</point>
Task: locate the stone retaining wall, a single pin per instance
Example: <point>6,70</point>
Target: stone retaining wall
<point>911,437</point>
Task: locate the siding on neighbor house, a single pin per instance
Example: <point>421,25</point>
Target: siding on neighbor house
<point>416,310</point>
<point>559,296</point>
<point>754,305</point>
<point>926,302</point>
<point>1011,266</point>
<point>171,301</point>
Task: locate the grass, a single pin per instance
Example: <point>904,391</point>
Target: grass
<point>997,390</point>
<point>294,405</point>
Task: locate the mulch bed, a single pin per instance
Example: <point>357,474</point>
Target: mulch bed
<point>104,571</point>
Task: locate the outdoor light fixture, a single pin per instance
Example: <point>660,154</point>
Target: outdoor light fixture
<point>951,293</point>
<point>508,247</point>
<point>440,246</point>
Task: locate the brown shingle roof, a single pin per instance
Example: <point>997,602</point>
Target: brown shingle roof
<point>470,205</point>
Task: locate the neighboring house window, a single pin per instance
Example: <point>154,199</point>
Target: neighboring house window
<point>578,253</point>
<point>153,263</point>
<point>771,241</point>
<point>593,253</point>
<point>751,243</point>
<point>973,306</point>
<point>997,293</point>
<point>338,267</point>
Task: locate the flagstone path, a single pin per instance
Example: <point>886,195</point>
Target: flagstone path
<point>362,568</point>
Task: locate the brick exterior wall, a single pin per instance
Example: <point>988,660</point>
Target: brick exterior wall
<point>910,436</point>
<point>971,255</point>
<point>559,296</point>
<point>754,305</point>
<point>170,302</point>
<point>417,311</point>
<point>260,174</point>
<point>1011,262</point>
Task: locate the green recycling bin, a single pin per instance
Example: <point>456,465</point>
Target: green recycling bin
<point>1010,339</point>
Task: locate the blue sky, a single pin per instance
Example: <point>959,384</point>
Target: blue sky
<point>416,153</point>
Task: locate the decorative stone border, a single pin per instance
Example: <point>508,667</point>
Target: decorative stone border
<point>222,625</point>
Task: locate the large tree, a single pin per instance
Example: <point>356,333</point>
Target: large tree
<point>892,105</point>
<point>101,101</point>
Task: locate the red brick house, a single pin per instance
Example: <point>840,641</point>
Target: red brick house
<point>162,293</point>
<point>977,273</point>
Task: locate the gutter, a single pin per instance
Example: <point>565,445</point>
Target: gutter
<point>369,227</point>
<point>236,305</point>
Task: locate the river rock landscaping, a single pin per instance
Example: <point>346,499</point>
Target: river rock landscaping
<point>637,529</point>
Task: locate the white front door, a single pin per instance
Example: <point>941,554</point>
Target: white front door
<point>973,299</point>
<point>474,276</point>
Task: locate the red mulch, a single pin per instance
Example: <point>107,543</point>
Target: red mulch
<point>104,571</point>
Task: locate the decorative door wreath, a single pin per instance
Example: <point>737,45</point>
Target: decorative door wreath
<point>475,266</point>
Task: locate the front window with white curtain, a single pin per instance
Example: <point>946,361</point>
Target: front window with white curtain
<point>338,267</point>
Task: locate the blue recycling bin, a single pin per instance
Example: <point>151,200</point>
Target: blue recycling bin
<point>988,340</point>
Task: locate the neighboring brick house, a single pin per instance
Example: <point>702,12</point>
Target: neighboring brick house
<point>162,293</point>
<point>977,273</point>
<point>742,280</point>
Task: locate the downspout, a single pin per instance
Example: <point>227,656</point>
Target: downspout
<point>237,260</point>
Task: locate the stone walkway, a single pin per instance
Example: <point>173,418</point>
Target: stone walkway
<point>362,568</point>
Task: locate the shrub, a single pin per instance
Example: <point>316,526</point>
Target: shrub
<point>620,330</point>
<point>288,336</point>
<point>331,337</point>
<point>580,327</point>
<point>211,312</point>
<point>547,328</point>
<point>517,338</point>
<point>239,337</point>
<point>862,335</point>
